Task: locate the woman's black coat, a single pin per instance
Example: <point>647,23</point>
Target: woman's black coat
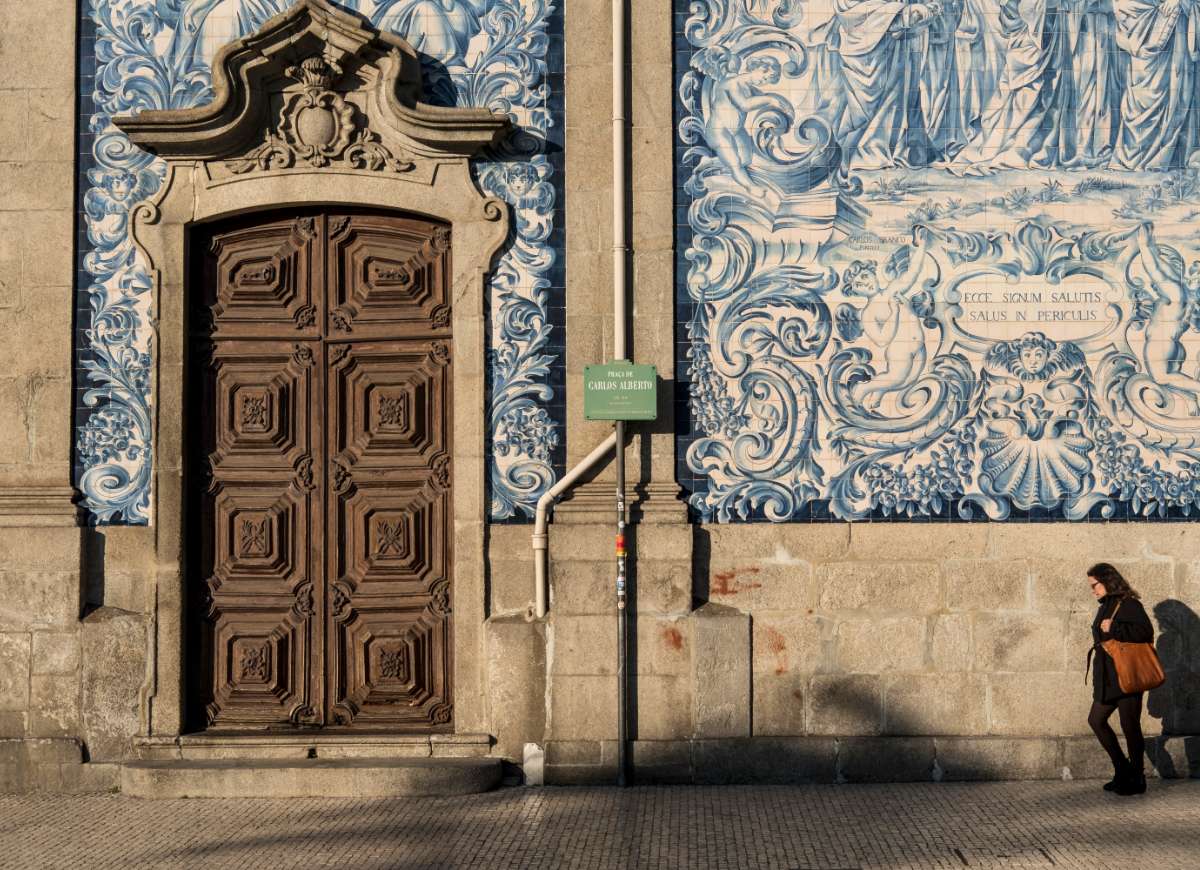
<point>1131,625</point>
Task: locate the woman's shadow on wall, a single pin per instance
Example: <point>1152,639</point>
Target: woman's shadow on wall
<point>1176,753</point>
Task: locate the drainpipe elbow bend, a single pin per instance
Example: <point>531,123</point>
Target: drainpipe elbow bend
<point>541,537</point>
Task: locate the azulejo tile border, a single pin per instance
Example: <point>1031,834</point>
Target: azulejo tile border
<point>935,261</point>
<point>500,54</point>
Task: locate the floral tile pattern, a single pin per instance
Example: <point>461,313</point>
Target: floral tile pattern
<point>938,259</point>
<point>155,54</point>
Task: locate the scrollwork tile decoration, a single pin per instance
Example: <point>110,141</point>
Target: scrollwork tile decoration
<point>937,259</point>
<point>500,54</point>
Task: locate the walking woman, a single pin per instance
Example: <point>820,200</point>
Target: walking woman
<point>1120,617</point>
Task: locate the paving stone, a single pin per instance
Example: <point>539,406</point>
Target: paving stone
<point>1065,825</point>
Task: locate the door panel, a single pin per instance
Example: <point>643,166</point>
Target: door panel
<point>389,434</point>
<point>262,672</point>
<point>321,550</point>
<point>393,663</point>
<point>391,413</point>
<point>263,404</point>
<point>267,279</point>
<point>388,277</point>
<point>261,547</point>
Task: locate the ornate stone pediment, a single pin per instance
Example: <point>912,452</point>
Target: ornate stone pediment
<point>318,126</point>
<point>315,88</point>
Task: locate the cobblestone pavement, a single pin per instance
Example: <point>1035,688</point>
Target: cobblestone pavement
<point>1070,824</point>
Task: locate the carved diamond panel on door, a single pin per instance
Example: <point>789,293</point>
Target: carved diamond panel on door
<point>390,405</point>
<point>265,279</point>
<point>391,535</point>
<point>261,674</point>
<point>260,532</point>
<point>387,276</point>
<point>396,669</point>
<point>320,498</point>
<point>262,398</point>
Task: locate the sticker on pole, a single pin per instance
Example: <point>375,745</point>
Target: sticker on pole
<point>620,390</point>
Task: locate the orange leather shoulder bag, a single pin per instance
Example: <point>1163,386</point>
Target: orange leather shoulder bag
<point>1137,664</point>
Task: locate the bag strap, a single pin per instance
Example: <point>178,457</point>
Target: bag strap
<point>1092,651</point>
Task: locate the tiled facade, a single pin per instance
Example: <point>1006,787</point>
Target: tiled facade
<point>937,260</point>
<point>505,55</point>
<point>876,401</point>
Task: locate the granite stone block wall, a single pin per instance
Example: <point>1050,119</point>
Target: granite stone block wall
<point>37,157</point>
<point>43,669</point>
<point>867,652</point>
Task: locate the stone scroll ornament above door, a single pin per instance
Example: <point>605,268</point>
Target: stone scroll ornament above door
<point>157,54</point>
<point>939,259</point>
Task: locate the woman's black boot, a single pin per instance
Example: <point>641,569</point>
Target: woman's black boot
<point>1120,775</point>
<point>1133,783</point>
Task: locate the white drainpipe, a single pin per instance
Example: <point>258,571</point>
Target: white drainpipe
<point>620,231</point>
<point>540,537</point>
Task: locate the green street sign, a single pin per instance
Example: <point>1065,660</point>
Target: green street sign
<point>620,390</point>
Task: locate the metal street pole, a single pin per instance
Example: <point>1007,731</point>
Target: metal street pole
<point>620,242</point>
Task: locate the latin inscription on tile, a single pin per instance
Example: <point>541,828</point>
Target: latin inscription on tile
<point>1074,309</point>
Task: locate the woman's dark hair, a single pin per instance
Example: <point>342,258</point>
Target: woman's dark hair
<point>1114,583</point>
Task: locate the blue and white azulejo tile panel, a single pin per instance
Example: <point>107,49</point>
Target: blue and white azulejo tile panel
<point>155,54</point>
<point>939,258</point>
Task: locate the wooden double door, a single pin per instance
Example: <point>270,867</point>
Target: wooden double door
<point>318,502</point>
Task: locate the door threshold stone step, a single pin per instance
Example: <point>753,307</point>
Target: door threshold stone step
<point>276,778</point>
<point>307,745</point>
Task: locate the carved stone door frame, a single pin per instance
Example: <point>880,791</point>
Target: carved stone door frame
<point>316,108</point>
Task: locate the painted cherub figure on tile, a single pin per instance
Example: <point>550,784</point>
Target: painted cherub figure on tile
<point>1171,313</point>
<point>889,319</point>
<point>733,95</point>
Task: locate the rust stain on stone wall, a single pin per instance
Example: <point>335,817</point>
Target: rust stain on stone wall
<point>672,638</point>
<point>727,583</point>
<point>777,646</point>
